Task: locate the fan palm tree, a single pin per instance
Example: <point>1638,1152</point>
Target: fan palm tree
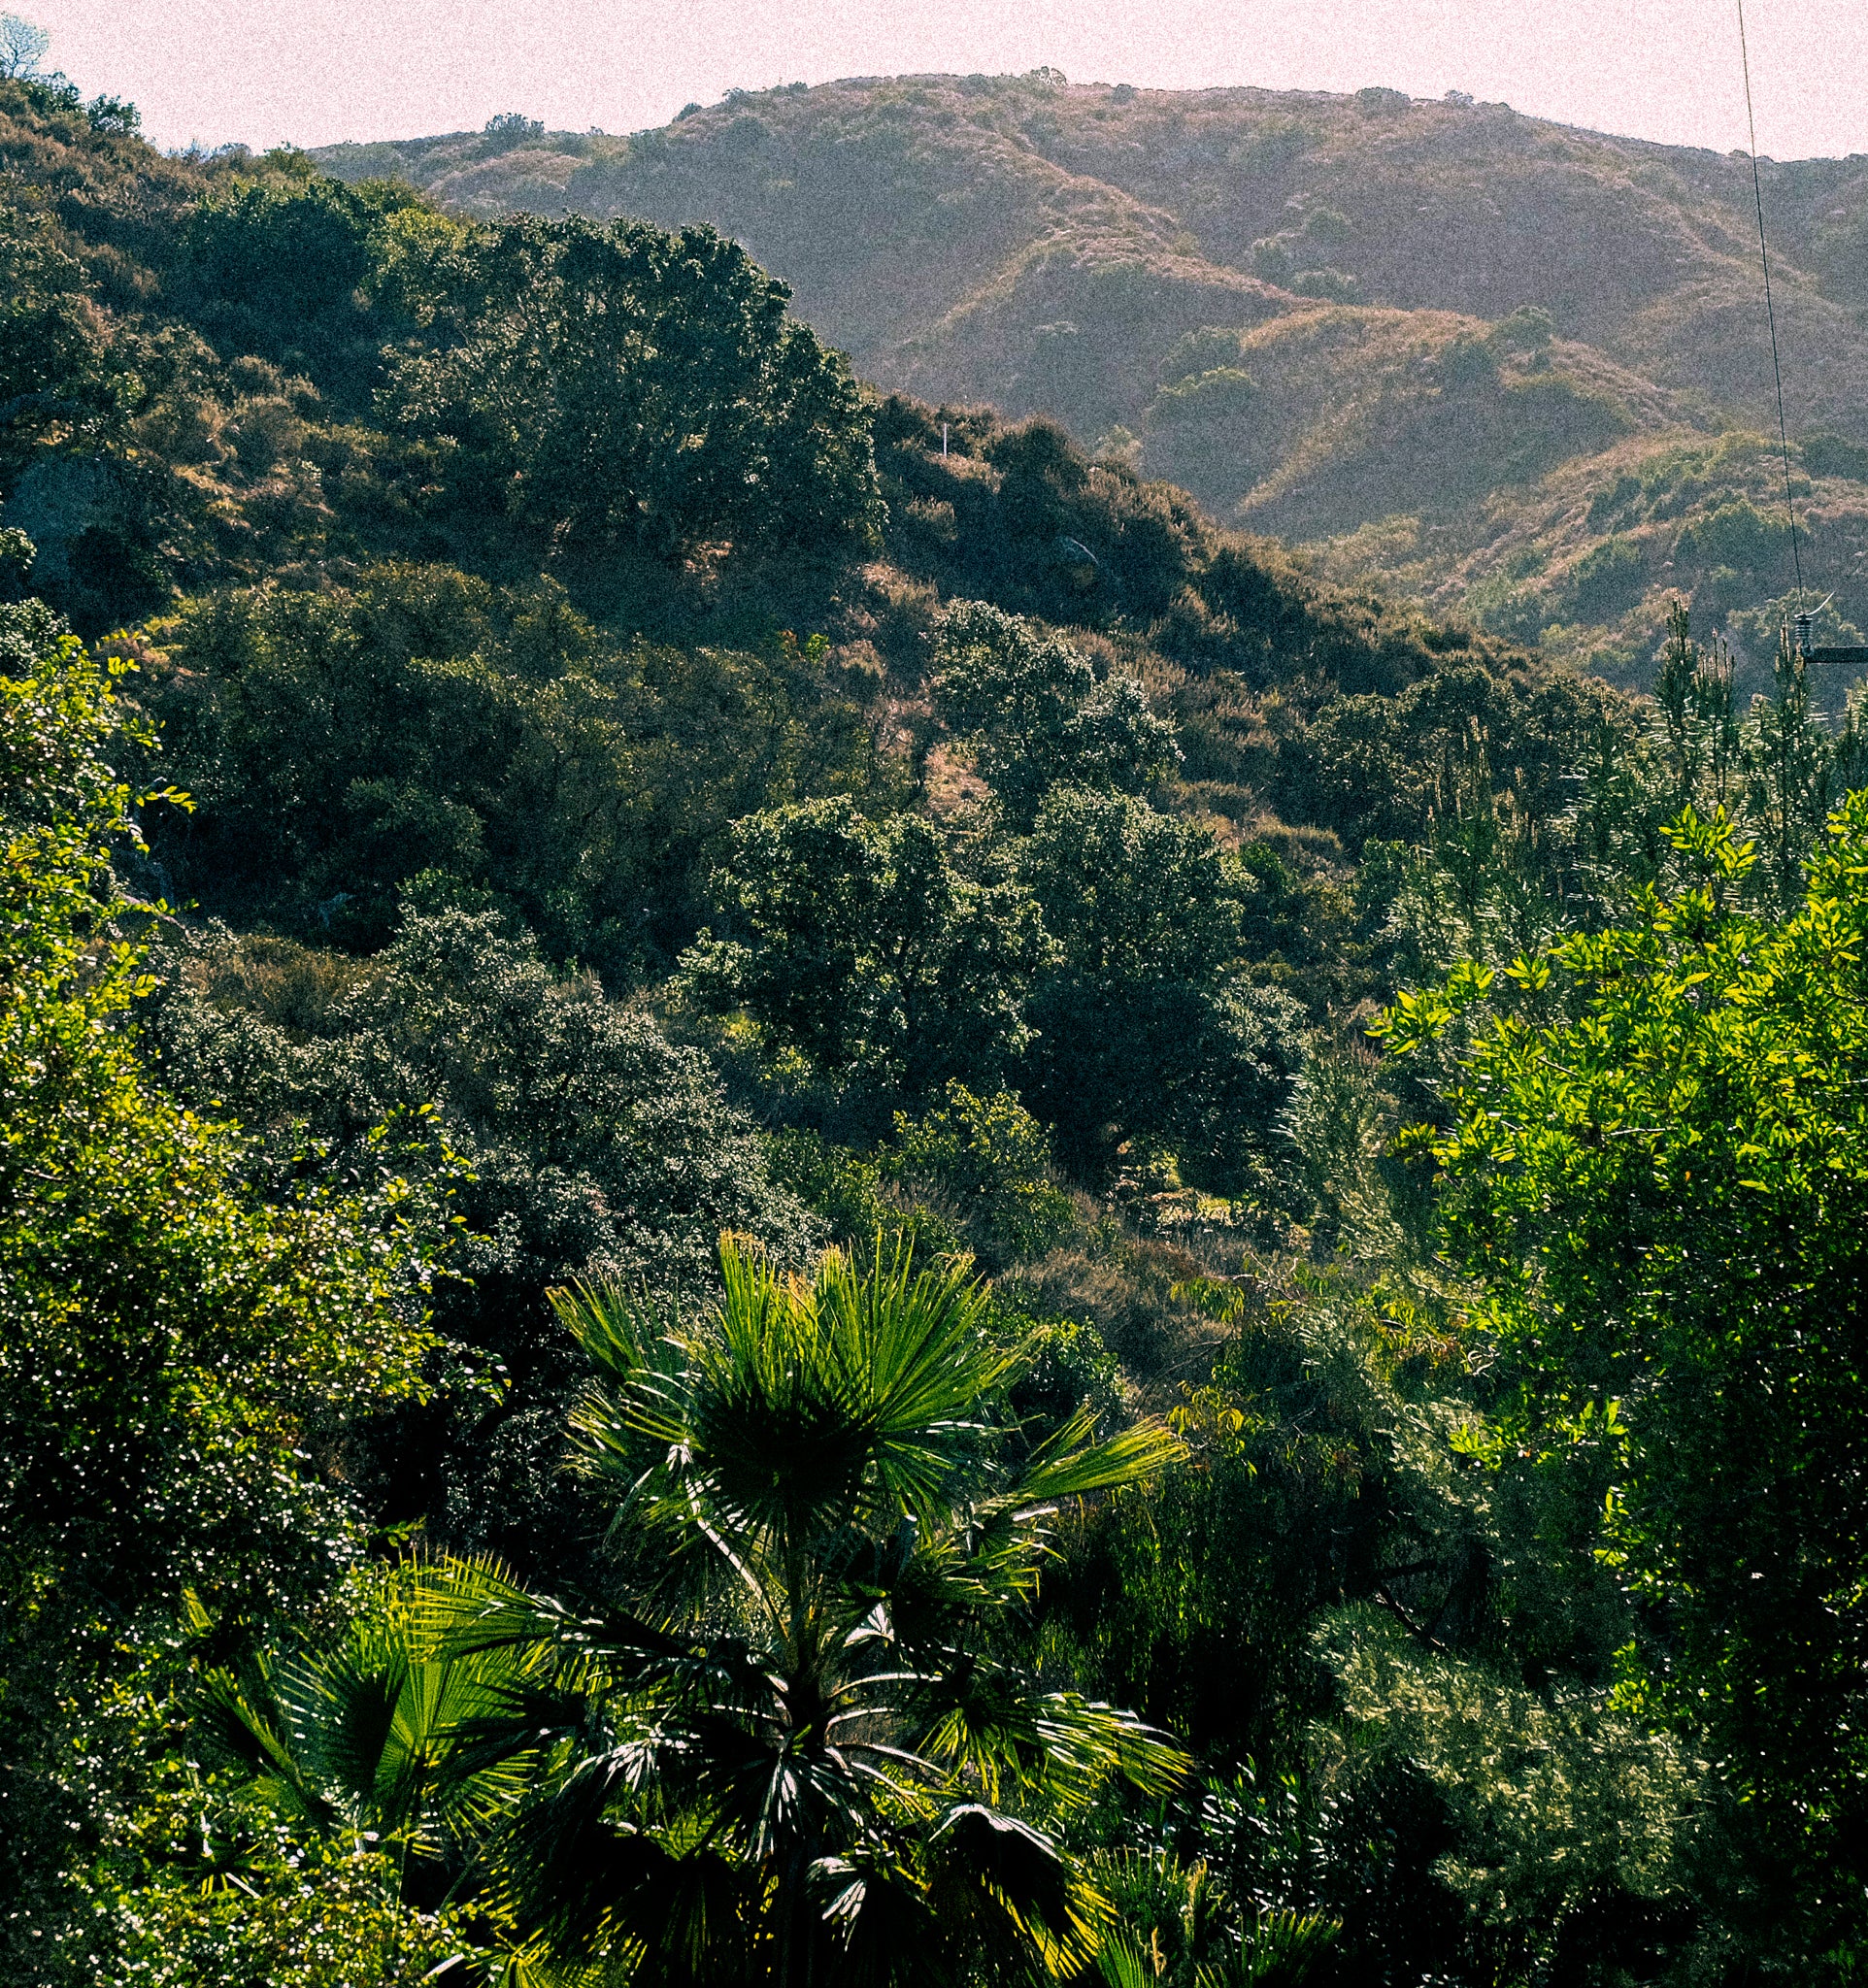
<point>808,1751</point>
<point>352,1739</point>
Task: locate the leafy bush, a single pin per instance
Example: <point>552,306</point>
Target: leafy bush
<point>987,1157</point>
<point>1528,329</point>
<point>1224,393</point>
<point>509,129</point>
<point>281,260</point>
<point>292,1915</point>
<point>1674,1165</point>
<point>1835,456</point>
<point>861,945</point>
<point>1571,1823</point>
<point>1211,347</point>
<point>1609,579</point>
<point>852,1194</point>
<point>1388,766</point>
<point>1132,896</point>
<point>1333,286</point>
<point>1736,534</point>
<point>1063,1363</point>
<point>1031,706</point>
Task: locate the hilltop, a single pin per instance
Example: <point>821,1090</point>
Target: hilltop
<point>1425,339</point>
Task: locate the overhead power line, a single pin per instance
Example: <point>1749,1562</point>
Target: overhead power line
<point>1770,306</point>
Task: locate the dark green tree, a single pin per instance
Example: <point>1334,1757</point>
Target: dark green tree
<point>1032,709</point>
<point>1133,895</point>
<point>624,386</point>
<point>278,260</point>
<point>862,945</point>
<point>1149,1033</point>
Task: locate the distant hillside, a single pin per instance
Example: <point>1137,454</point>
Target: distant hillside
<point>193,392</point>
<point>1423,337</point>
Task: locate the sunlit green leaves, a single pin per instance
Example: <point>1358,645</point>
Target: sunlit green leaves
<point>180,1359</point>
<point>1664,1196</point>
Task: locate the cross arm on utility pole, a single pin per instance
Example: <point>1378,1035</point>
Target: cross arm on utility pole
<point>1832,653</point>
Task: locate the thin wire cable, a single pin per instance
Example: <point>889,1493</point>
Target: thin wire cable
<point>1770,309</point>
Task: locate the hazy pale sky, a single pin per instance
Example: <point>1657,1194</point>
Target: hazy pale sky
<point>315,71</point>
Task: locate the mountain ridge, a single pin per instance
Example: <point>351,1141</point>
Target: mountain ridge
<point>1064,249</point>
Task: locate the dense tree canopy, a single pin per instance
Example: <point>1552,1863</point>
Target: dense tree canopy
<point>626,386</point>
<point>217,368</point>
<point>421,724</point>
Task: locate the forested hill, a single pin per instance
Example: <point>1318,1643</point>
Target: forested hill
<point>792,1191</point>
<point>1520,367</point>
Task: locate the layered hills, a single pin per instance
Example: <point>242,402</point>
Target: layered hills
<point>220,378</point>
<point>1519,369</point>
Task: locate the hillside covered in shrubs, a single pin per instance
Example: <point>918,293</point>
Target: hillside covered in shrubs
<point>793,1190</point>
<point>1428,339</point>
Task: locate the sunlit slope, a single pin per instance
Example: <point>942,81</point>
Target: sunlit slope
<point>892,204</point>
<point>1325,315</point>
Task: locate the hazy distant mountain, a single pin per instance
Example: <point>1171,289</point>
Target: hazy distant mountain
<point>1505,361</point>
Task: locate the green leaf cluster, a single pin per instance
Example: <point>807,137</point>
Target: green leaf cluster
<point>181,1357</point>
<point>1660,1195</point>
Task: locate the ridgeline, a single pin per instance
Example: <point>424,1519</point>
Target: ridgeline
<point>1513,368</point>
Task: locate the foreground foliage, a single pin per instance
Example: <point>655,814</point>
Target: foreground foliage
<point>1662,1194</point>
<point>802,1741</point>
<point>180,1356</point>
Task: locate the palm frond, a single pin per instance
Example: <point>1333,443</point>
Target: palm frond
<point>988,1721</point>
<point>762,1770</point>
<point>1123,1964</point>
<point>875,1910</point>
<point>793,1408</point>
<point>1281,1950</point>
<point>597,1890</point>
<point>1069,1464</point>
<point>244,1724</point>
<point>914,1354</point>
<point>1087,1744</point>
<point>1021,1873</point>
